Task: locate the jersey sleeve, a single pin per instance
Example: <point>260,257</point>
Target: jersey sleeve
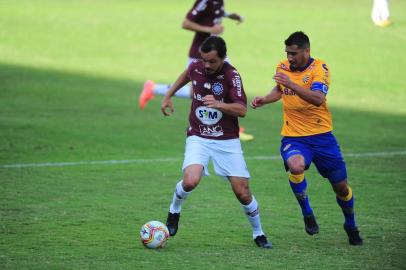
<point>197,11</point>
<point>321,78</point>
<point>236,88</point>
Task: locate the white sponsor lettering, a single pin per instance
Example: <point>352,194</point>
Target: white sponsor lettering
<point>212,131</point>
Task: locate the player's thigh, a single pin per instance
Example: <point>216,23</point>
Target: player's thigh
<point>196,153</point>
<point>228,159</point>
<point>192,175</point>
<point>329,160</point>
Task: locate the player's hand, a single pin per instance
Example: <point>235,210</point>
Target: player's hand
<point>167,103</point>
<point>236,17</point>
<point>211,102</point>
<point>258,102</point>
<point>217,29</point>
<point>282,78</point>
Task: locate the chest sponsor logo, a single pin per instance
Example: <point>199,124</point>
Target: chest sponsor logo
<point>288,92</point>
<point>208,116</point>
<point>217,88</point>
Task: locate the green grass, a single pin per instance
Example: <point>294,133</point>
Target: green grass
<point>70,75</point>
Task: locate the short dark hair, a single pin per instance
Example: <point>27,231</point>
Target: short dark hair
<point>298,38</point>
<point>214,43</point>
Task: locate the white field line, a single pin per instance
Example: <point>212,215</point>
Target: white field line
<point>158,160</point>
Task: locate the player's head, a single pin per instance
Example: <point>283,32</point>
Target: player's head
<point>213,52</point>
<point>297,50</point>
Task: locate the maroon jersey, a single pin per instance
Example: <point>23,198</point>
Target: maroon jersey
<point>225,86</point>
<point>206,13</point>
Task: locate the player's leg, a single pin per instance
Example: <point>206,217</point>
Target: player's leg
<point>228,162</point>
<point>380,13</point>
<point>330,164</point>
<point>297,158</point>
<point>151,89</point>
<point>194,166</point>
<point>251,209</point>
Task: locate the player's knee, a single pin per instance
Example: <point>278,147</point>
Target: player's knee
<point>296,165</point>
<point>243,194</point>
<point>190,181</point>
<point>297,169</point>
<point>341,189</point>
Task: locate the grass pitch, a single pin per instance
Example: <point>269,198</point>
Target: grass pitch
<point>70,75</point>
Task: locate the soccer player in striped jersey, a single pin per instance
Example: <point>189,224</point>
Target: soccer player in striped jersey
<point>302,83</point>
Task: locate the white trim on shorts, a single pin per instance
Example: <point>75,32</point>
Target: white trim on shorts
<point>227,156</point>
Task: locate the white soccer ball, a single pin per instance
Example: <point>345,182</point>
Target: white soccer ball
<point>154,234</point>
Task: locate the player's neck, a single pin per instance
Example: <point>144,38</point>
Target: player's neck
<point>305,66</point>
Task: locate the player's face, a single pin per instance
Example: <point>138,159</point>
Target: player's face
<point>212,62</point>
<point>297,57</point>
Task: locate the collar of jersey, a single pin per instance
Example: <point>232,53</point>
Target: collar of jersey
<point>303,68</point>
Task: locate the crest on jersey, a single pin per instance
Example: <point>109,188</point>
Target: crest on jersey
<point>306,78</point>
<point>217,88</point>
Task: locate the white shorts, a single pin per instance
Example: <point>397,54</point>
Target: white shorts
<point>227,156</point>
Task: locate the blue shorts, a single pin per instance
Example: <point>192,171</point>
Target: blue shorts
<point>321,149</point>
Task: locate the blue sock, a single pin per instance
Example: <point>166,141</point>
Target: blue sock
<point>299,185</point>
<point>347,206</point>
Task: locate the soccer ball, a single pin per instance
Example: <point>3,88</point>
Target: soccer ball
<point>154,234</point>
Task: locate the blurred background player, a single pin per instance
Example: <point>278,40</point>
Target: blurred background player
<point>217,103</point>
<point>302,84</point>
<point>380,13</point>
<point>204,18</point>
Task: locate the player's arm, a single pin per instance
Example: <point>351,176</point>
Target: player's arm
<point>216,29</point>
<point>179,83</point>
<point>313,97</point>
<point>233,109</point>
<point>272,97</point>
<point>234,16</point>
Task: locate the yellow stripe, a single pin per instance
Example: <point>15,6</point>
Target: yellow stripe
<point>296,178</point>
<point>348,197</point>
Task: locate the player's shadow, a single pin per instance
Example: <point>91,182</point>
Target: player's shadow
<point>50,115</point>
<point>55,115</point>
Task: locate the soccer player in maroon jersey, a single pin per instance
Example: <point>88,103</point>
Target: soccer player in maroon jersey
<point>204,18</point>
<point>218,100</point>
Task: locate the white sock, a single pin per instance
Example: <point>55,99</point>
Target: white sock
<point>161,89</point>
<point>179,197</point>
<point>380,10</point>
<point>252,212</point>
<point>185,92</point>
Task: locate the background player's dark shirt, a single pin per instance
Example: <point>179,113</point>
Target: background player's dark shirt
<point>225,86</point>
<point>207,13</point>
